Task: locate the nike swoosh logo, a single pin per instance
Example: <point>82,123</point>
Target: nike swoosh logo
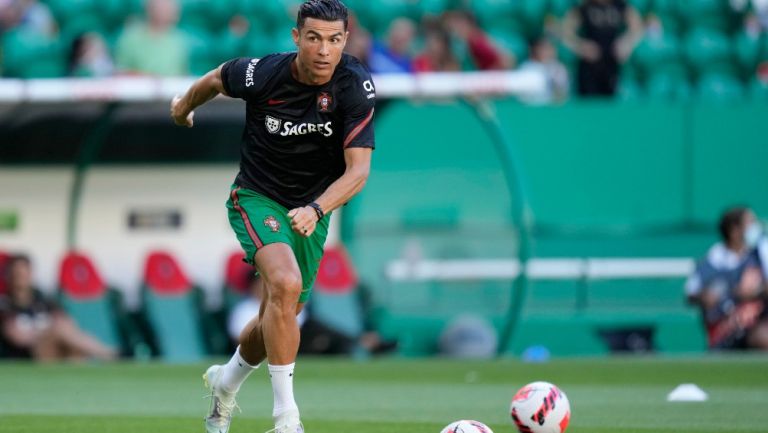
<point>275,102</point>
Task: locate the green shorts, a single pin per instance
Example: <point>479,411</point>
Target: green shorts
<point>258,221</point>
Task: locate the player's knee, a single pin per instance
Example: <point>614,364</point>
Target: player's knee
<point>285,289</point>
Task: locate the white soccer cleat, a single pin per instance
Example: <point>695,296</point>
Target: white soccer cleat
<point>222,403</point>
<point>288,423</point>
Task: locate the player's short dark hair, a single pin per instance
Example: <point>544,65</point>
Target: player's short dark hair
<point>326,10</point>
<point>731,218</point>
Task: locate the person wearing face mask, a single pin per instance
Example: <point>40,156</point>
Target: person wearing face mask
<point>729,284</point>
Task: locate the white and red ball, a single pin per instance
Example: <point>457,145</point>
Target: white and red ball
<point>540,407</point>
<point>466,426</point>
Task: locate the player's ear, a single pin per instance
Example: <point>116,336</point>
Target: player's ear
<point>346,38</point>
<point>295,34</point>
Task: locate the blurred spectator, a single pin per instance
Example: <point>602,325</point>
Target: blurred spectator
<point>89,57</point>
<point>483,52</point>
<point>34,327</point>
<point>730,287</point>
<point>359,40</point>
<point>603,34</point>
<point>156,46</point>
<point>316,337</point>
<point>438,54</point>
<point>543,61</point>
<point>394,54</point>
<point>29,15</point>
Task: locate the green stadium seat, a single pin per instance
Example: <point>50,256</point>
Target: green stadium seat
<point>64,10</point>
<point>720,88</point>
<point>714,14</point>
<point>560,8</point>
<point>172,307</point>
<point>205,14</point>
<point>96,308</point>
<point>237,280</point>
<point>27,54</point>
<point>758,90</point>
<point>498,14</point>
<point>81,24</point>
<point>748,50</point>
<point>202,57</point>
<point>642,6</point>
<point>669,85</point>
<point>629,89</point>
<point>708,50</point>
<point>335,299</point>
<point>512,42</point>
<point>654,54</point>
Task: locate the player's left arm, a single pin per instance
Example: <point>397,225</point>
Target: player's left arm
<point>353,180</point>
<point>202,90</point>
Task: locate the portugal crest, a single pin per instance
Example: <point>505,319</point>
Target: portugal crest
<point>324,101</point>
<point>272,223</point>
<point>273,124</point>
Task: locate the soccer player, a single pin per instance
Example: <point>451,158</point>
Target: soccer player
<point>306,150</point>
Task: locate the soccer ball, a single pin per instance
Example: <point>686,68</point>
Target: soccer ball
<point>466,426</point>
<point>540,407</point>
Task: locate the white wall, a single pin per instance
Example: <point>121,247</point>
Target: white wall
<point>202,243</point>
<point>40,198</point>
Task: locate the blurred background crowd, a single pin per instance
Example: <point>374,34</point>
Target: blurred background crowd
<point>673,49</point>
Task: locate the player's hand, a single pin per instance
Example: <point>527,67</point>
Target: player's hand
<point>303,220</point>
<point>589,51</point>
<point>179,116</point>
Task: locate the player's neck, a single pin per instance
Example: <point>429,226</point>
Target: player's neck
<point>304,76</point>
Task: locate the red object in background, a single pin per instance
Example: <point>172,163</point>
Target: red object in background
<point>336,273</point>
<point>762,72</point>
<point>238,273</point>
<point>3,261</point>
<point>78,277</point>
<point>163,274</point>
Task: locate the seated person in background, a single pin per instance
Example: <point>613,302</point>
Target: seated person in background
<point>155,46</point>
<point>33,327</point>
<point>394,54</point>
<point>316,337</point>
<point>730,287</point>
<point>543,61</point>
<point>438,55</point>
<point>485,54</point>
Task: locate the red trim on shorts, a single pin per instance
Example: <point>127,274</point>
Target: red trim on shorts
<point>358,129</point>
<point>248,226</point>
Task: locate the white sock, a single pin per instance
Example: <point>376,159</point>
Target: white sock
<point>282,386</point>
<point>234,373</point>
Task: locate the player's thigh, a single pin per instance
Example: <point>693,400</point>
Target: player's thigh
<point>278,267</point>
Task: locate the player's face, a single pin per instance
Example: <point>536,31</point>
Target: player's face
<point>320,46</point>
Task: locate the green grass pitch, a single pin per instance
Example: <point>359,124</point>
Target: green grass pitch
<point>616,395</point>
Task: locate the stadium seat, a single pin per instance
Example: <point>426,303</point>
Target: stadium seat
<point>237,277</point>
<point>498,14</point>
<point>205,14</point>
<point>202,54</point>
<point>720,88</point>
<point>758,90</point>
<point>714,14</point>
<point>335,300</point>
<point>96,308</point>
<point>668,85</point>
<point>512,42</point>
<point>748,50</point>
<point>27,54</point>
<point>172,306</point>
<point>560,8</point>
<point>667,11</point>
<point>629,89</point>
<point>708,50</point>
<point>653,54</point>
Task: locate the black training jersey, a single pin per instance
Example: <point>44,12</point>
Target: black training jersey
<point>295,134</point>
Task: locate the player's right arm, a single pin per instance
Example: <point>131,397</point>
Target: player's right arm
<point>201,91</point>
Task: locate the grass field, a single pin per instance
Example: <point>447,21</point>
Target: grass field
<point>616,395</point>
